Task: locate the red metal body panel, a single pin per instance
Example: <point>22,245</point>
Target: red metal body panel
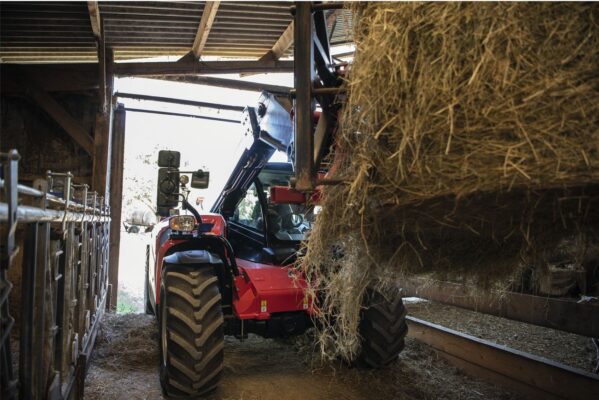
<point>260,290</point>
<point>218,228</point>
<point>266,289</point>
<point>283,194</point>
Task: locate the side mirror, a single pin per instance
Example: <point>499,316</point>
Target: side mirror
<point>169,159</point>
<point>168,190</point>
<point>200,179</point>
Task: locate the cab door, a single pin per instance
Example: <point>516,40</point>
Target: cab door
<point>247,231</point>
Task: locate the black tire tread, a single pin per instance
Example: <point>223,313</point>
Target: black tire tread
<point>383,329</point>
<point>194,329</point>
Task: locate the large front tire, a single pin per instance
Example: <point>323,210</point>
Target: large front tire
<point>383,329</point>
<point>191,331</point>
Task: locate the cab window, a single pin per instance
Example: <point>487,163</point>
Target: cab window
<point>248,212</point>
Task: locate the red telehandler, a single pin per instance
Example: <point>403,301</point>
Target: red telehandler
<point>229,272</point>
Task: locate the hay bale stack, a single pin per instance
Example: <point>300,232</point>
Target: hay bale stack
<point>470,141</point>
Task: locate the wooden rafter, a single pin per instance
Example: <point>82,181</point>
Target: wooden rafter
<point>71,126</point>
<point>94,17</point>
<point>206,22</point>
<point>332,18</point>
<point>281,45</point>
<point>285,41</point>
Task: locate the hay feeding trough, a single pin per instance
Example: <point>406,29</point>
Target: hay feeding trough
<point>470,141</point>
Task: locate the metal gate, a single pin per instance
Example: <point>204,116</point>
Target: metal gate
<point>56,235</point>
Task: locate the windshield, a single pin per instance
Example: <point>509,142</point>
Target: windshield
<point>287,222</point>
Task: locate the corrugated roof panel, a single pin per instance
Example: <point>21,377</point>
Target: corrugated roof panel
<point>61,31</point>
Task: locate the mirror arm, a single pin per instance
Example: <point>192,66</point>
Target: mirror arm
<point>190,208</point>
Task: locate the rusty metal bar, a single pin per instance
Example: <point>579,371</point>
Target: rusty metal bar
<point>329,90</point>
<point>174,114</point>
<point>137,96</point>
<point>561,314</point>
<point>534,376</point>
<point>225,83</point>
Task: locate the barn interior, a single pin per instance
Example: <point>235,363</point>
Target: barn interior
<point>67,234</point>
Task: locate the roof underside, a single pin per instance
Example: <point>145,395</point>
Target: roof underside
<point>34,32</point>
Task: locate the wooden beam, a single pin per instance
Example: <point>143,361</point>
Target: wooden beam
<point>102,77</point>
<point>562,314</point>
<point>50,77</point>
<point>208,15</point>
<point>71,126</point>
<point>201,68</point>
<point>117,162</point>
<point>84,76</point>
<point>94,18</point>
<point>286,39</point>
<point>281,45</point>
<point>100,154</point>
<point>533,376</point>
<point>102,131</point>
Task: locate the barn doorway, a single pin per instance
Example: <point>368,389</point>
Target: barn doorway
<point>211,144</point>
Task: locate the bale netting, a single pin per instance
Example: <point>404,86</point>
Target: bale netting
<point>470,146</point>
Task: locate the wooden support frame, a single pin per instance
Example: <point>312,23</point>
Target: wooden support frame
<point>286,39</point>
<point>79,77</point>
<point>208,16</point>
<point>564,315</point>
<point>281,45</point>
<point>94,18</point>
<point>71,126</point>
<point>533,376</point>
<point>117,163</point>
<point>102,129</point>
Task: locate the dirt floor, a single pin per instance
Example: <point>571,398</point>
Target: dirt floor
<point>125,360</point>
<point>124,366</point>
<point>567,348</point>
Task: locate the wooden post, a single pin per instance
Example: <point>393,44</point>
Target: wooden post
<point>102,130</point>
<point>116,199</point>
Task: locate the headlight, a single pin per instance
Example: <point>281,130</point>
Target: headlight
<point>182,223</point>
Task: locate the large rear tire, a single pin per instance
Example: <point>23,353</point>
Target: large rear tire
<point>383,329</point>
<point>191,331</point>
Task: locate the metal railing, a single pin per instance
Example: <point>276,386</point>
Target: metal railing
<point>59,234</point>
